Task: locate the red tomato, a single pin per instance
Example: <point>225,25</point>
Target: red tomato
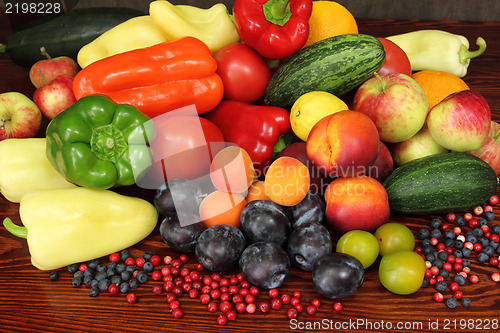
<point>243,71</point>
<point>396,60</point>
<point>184,147</point>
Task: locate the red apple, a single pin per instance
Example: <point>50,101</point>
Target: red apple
<point>55,96</point>
<point>420,145</point>
<point>44,71</point>
<point>460,122</point>
<point>19,116</point>
<point>395,102</point>
<point>298,151</point>
<point>343,144</point>
<point>356,203</point>
<point>490,150</point>
<point>383,165</point>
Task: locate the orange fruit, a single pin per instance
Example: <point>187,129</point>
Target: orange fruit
<point>220,207</point>
<point>257,191</point>
<point>438,85</point>
<point>287,181</point>
<point>328,19</point>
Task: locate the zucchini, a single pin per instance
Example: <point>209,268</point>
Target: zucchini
<point>336,65</point>
<point>441,183</point>
<point>63,34</point>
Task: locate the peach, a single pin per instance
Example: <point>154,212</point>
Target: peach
<point>356,203</point>
<point>220,207</point>
<point>343,144</point>
<point>383,165</point>
<point>232,170</point>
<point>287,181</point>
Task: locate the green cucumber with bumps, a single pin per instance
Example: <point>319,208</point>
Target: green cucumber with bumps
<point>63,34</point>
<point>441,183</point>
<point>336,65</point>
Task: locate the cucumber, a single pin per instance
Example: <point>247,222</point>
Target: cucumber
<point>63,34</point>
<point>336,65</point>
<point>442,183</point>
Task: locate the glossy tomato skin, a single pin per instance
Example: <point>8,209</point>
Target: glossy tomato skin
<point>243,71</point>
<point>396,60</point>
<point>184,147</point>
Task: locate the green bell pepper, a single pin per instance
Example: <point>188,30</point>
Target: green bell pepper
<point>98,144</point>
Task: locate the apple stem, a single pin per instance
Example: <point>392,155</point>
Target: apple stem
<point>2,124</point>
<point>44,52</point>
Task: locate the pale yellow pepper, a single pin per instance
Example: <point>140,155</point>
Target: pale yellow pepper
<point>24,167</point>
<point>137,32</point>
<point>73,225</point>
<point>213,26</point>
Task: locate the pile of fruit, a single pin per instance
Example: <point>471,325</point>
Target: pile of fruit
<point>257,148</point>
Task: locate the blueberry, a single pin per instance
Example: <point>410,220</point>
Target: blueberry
<point>466,253</point>
<point>94,292</point>
<point>100,268</point>
<point>431,257</point>
<point>124,287</point>
<point>426,250</point>
<point>466,263</point>
<point>111,271</point>
<point>478,232</point>
<point>87,279</point>
<point>147,255</point>
<point>449,234</point>
<point>116,279</point>
<point>133,283</point>
<point>76,281</point>
<point>458,244</point>
<point>498,250</point>
<point>425,282</point>
<point>494,244</point>
<point>459,279</point>
<point>78,274</point>
<point>142,277</point>
<point>130,269</point>
<point>104,284</point>
<point>483,257</point>
<point>73,268</point>
<point>488,250</point>
<point>101,276</point>
<point>484,242</point>
<point>436,233</point>
<point>471,238</point>
<point>443,255</point>
<point>489,216</point>
<point>444,273</point>
<point>125,275</point>
<point>124,255</point>
<point>482,221</point>
<point>54,275</point>
<point>495,229</point>
<point>148,267</point>
<point>93,263</point>
<point>449,242</point>
<point>121,267</point>
<point>423,234</point>
<point>88,272</point>
<point>436,223</point>
<point>441,286</point>
<point>451,302</point>
<point>426,242</point>
<point>460,221</point>
<point>465,302</point>
<point>438,263</point>
<point>458,254</point>
<point>94,283</point>
<point>111,265</point>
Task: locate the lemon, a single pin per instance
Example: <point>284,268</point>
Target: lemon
<point>310,107</point>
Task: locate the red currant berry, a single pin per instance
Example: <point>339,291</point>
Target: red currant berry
<point>297,294</point>
<point>249,299</point>
<point>177,313</point>
<point>264,306</point>
<point>468,216</point>
<point>131,298</point>
<point>337,306</point>
<point>494,261</point>
<point>212,306</point>
<point>254,291</point>
<point>478,210</point>
<point>311,309</point>
<point>316,302</point>
<point>175,305</point>
<point>225,306</point>
<point>450,217</point>
<point>130,261</point>
<point>251,308</point>
<point>292,313</point>
<point>184,258</point>
<point>478,247</point>
<point>474,279</point>
<point>167,260</point>
<point>246,284</point>
<point>140,262</point>
<point>155,260</point>
<point>285,298</point>
<point>241,307</point>
<point>493,200</point>
<point>495,277</point>
<point>276,303</point>
<point>157,288</point>
<point>216,277</point>
<point>205,298</point>
<point>237,299</point>
<point>274,293</point>
<point>114,257</point>
<point>113,289</point>
<point>454,286</point>
<point>193,293</point>
<point>231,315</point>
<point>156,276</point>
<point>222,320</point>
<point>244,292</point>
<point>176,263</point>
<point>294,301</point>
<point>438,297</point>
<point>82,267</point>
<point>458,294</point>
<point>299,307</point>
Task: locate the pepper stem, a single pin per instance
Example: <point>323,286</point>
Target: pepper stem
<point>277,11</point>
<point>464,54</point>
<point>15,229</point>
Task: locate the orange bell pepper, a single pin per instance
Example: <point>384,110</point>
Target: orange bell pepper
<point>156,79</point>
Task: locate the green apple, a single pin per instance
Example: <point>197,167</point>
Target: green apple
<point>360,244</point>
<point>402,272</point>
<point>393,237</point>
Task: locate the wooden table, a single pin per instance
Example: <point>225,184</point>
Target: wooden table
<point>30,301</point>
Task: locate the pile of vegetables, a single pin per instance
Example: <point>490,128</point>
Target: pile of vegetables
<point>141,73</point>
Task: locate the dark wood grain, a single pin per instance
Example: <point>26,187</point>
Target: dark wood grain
<point>30,301</point>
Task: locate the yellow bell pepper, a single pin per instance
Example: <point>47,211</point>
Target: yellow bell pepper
<point>213,26</point>
<point>24,167</point>
<point>72,225</point>
<point>438,50</point>
<point>137,32</point>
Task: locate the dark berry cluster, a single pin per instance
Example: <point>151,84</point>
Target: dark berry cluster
<point>230,296</point>
<point>447,248</point>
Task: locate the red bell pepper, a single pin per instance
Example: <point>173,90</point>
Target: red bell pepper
<point>274,28</point>
<point>259,130</point>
